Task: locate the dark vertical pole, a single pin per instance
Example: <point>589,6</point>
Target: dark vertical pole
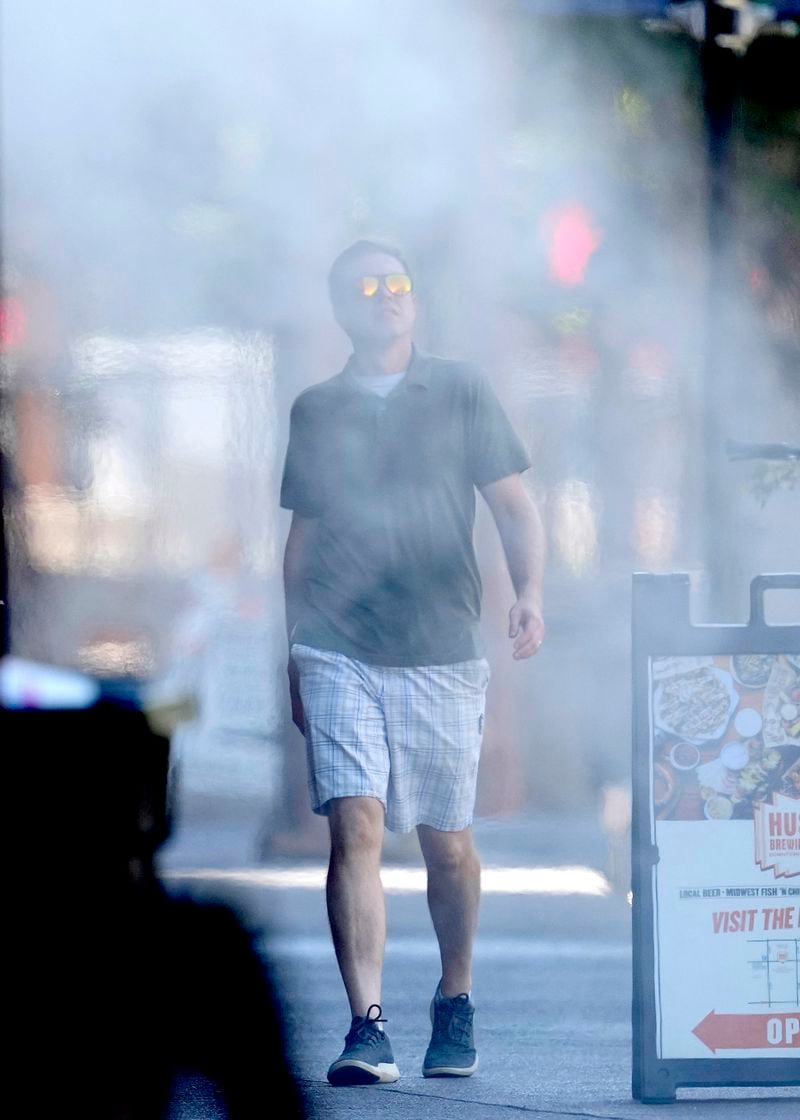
<point>719,68</point>
<point>5,623</point>
<point>5,633</point>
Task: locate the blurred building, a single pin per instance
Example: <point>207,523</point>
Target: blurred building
<point>166,246</point>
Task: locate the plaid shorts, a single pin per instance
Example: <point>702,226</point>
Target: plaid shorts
<point>411,737</point>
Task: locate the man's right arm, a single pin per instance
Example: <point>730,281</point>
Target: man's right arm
<point>294,565</point>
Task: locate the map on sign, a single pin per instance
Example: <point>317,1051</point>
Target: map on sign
<point>775,973</point>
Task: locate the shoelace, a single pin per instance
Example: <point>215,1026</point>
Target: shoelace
<point>454,1017</point>
<point>366,1029</point>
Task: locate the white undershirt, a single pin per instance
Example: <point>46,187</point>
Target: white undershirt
<point>381,383</point>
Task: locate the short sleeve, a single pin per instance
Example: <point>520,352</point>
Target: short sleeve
<point>301,484</point>
<point>495,449</point>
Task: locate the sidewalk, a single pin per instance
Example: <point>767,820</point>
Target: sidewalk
<point>552,979</point>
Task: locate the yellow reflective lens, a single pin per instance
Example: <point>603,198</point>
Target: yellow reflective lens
<point>398,283</point>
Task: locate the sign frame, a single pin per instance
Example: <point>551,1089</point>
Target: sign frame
<point>661,627</point>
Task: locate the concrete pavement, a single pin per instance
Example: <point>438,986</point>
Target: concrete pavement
<point>552,977</point>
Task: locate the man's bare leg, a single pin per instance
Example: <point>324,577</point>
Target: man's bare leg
<point>454,890</point>
<point>356,903</point>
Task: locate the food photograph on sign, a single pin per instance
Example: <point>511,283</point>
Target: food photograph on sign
<point>725,804</point>
<point>726,734</point>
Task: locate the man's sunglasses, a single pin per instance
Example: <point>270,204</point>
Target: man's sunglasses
<point>395,283</point>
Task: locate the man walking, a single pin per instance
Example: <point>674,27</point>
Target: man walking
<point>387,670</point>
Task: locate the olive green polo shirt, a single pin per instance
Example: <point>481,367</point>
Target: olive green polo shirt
<point>392,577</point>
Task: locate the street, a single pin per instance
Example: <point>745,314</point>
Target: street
<point>552,978</point>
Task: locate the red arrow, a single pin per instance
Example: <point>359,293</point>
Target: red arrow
<point>780,1031</point>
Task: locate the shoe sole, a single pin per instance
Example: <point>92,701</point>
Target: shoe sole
<point>450,1071</point>
<point>360,1073</point>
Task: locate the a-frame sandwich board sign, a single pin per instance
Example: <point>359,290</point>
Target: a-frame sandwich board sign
<point>715,844</point>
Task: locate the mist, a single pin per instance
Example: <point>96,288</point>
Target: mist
<point>176,181</point>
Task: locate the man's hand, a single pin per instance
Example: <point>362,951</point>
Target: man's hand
<point>525,623</point>
<point>298,715</point>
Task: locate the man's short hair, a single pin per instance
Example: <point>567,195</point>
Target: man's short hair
<point>359,249</point>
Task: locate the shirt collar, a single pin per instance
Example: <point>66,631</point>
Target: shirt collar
<point>418,370</point>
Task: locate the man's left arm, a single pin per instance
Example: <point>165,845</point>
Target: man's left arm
<point>522,535</point>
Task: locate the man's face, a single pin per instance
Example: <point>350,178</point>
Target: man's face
<point>382,317</point>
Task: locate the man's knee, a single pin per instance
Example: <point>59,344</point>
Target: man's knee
<point>356,825</point>
<point>448,852</point>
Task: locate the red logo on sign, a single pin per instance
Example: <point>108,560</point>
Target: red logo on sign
<point>777,836</point>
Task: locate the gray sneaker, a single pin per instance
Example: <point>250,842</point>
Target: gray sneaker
<point>367,1056</point>
<point>451,1052</point>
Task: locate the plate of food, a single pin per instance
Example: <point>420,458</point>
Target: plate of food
<point>665,785</point>
<point>695,706</point>
<point>684,756</point>
<point>790,783</point>
<point>752,669</point>
<point>757,773</point>
<point>782,706</point>
<point>718,808</point>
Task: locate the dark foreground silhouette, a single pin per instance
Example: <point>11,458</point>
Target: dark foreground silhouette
<point>119,988</point>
